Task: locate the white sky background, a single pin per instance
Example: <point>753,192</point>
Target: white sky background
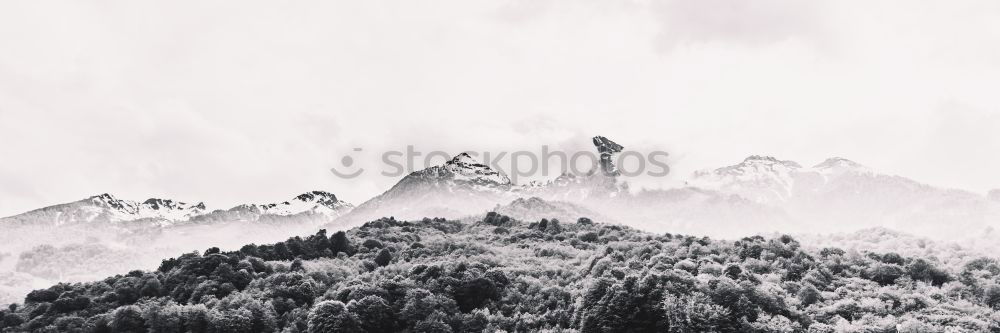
<point>253,101</point>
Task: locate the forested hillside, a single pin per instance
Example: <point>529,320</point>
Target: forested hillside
<point>499,274</point>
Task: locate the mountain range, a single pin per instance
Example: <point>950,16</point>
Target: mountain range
<point>759,194</point>
<point>110,210</point>
<point>849,195</point>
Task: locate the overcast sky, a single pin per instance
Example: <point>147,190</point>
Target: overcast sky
<point>254,101</point>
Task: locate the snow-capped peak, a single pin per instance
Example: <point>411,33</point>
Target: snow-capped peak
<point>465,167</point>
<point>758,178</point>
<point>318,202</point>
<point>463,158</point>
<point>153,208</point>
<point>157,204</point>
<point>322,198</point>
<point>752,167</point>
<point>109,201</point>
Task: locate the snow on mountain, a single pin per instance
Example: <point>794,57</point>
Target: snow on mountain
<point>573,187</point>
<point>768,180</point>
<point>459,187</point>
<point>315,202</point>
<point>757,178</point>
<point>105,208</point>
<point>759,193</point>
<point>465,168</point>
<point>462,186</point>
<point>158,209</point>
<point>840,193</point>
<point>168,210</point>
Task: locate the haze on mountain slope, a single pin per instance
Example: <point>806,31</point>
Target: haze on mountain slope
<point>73,241</point>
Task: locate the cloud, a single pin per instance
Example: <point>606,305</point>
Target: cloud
<point>734,21</point>
<point>959,147</point>
<point>205,101</point>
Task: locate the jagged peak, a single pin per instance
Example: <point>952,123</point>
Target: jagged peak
<point>465,167</point>
<point>103,197</point>
<point>110,201</point>
<point>605,145</point>
<point>310,201</point>
<point>314,195</point>
<point>156,203</point>
<point>607,149</point>
<point>464,158</point>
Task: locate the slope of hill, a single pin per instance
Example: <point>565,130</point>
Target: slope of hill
<point>500,274</point>
<point>535,208</point>
<point>103,235</point>
<point>459,187</point>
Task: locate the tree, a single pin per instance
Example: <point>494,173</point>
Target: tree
<point>374,314</point>
<point>432,326</point>
<point>922,270</point>
<point>332,317</point>
<point>41,295</point>
<point>693,313</point>
<point>212,250</point>
<point>151,287</point>
<point>128,319</point>
<point>340,243</point>
<point>231,321</point>
<point>471,294</point>
<point>886,274</point>
<point>196,318</point>
<point>71,324</point>
<point>384,257</point>
<point>808,295</point>
<point>11,320</point>
<point>421,303</point>
<point>992,296</point>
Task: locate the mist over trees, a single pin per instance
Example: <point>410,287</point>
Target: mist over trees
<point>501,274</point>
<point>34,256</point>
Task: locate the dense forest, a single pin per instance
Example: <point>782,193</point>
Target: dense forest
<point>500,274</point>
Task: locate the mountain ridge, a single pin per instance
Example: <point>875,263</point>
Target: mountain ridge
<point>107,208</point>
<point>760,191</point>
